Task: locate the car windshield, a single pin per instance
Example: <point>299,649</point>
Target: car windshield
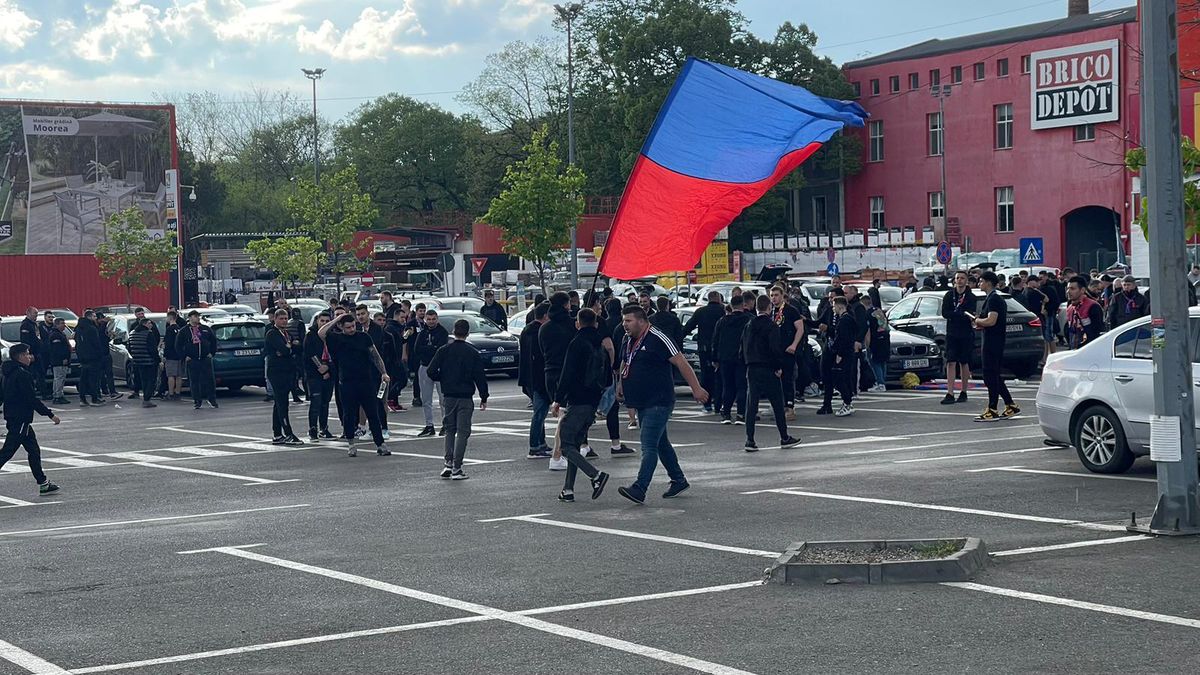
<point>237,309</point>
<point>517,320</point>
<point>10,331</point>
<point>64,314</point>
<point>479,325</point>
<point>890,294</point>
<point>240,332</point>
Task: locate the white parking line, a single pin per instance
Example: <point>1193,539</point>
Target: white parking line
<point>14,503</point>
<point>34,664</point>
<point>163,519</point>
<point>209,433</point>
<point>247,480</point>
<point>1074,544</point>
<point>1077,604</point>
<point>491,612</point>
<point>917,412</point>
<point>969,455</point>
<point>1074,474</point>
<point>944,444</point>
<point>536,518</point>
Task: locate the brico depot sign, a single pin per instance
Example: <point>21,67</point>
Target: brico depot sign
<point>1074,85</point>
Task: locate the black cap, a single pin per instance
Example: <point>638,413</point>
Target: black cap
<point>193,313</point>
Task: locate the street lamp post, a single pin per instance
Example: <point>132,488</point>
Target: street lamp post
<point>315,74</point>
<point>568,14</point>
<point>941,93</point>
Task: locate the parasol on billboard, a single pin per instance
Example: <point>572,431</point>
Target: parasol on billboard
<point>110,125</point>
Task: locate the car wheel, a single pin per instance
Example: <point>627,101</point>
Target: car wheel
<point>129,382</point>
<point>1100,441</point>
<point>1025,369</point>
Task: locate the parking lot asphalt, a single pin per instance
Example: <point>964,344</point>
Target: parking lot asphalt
<point>183,542</point>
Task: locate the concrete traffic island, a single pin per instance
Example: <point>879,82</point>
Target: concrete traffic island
<point>898,561</point>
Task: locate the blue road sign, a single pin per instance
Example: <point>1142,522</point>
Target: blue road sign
<point>1032,251</point>
<point>944,253</point>
<point>832,269</point>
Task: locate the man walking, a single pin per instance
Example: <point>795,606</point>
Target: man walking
<point>647,386</point>
<point>704,322</point>
<point>58,356</point>
<point>360,369</point>
<point>553,338</point>
<point>957,306</point>
<point>429,341</point>
<point>762,345</point>
<point>585,372</point>
<point>492,310</point>
<point>731,366</point>
<point>991,321</point>
<point>1127,304</point>
<point>531,377</point>
<point>142,344</point>
<point>20,402</point>
<point>791,331</point>
<point>458,367</point>
<point>197,344</point>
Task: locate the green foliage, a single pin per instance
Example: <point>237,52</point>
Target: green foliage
<point>1135,161</point>
<point>292,259</point>
<point>130,257</point>
<point>332,212</point>
<point>539,204</point>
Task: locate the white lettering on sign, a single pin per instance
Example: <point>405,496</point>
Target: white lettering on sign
<point>43,125</point>
<point>1075,85</point>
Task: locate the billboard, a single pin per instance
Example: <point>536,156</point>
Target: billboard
<point>1074,85</point>
<point>64,169</point>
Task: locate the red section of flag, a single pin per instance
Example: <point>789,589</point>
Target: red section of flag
<point>667,219</point>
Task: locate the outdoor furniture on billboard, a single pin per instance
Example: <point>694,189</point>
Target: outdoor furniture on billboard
<point>112,194</point>
<point>80,216</point>
<point>156,205</point>
<point>74,182</point>
<point>135,179</point>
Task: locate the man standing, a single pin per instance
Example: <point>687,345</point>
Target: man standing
<point>31,334</point>
<point>88,349</point>
<point>531,377</point>
<point>58,356</point>
<point>360,369</point>
<point>197,344</point>
<point>666,321</point>
<point>492,310</point>
<point>704,322</point>
<point>281,372</point>
<point>873,292</point>
<point>1193,277</point>
<point>142,344</point>
<point>139,384</point>
<point>108,385</point>
<point>991,321</point>
<point>1085,318</point>
<point>295,333</point>
<point>553,337</point>
<point>762,345</point>
<point>730,363</point>
<point>20,402</point>
<point>429,341</point>
<point>856,309</point>
<point>790,324</point>
<point>172,357</point>
<point>647,386</point>
<point>458,367</point>
<point>318,370</point>
<point>585,372</point>
<point>957,305</point>
<point>1127,304</point>
<point>837,361</point>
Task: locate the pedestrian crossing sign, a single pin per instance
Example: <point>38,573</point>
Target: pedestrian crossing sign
<point>1032,251</point>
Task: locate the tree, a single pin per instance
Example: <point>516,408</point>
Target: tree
<point>332,213</point>
<point>522,87</point>
<point>294,258</point>
<point>1135,161</point>
<point>131,257</point>
<point>539,204</point>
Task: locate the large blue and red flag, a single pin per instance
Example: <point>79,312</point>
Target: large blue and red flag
<point>722,139</point>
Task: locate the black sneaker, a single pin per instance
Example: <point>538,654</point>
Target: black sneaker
<point>382,451</point>
<point>598,484</point>
<point>47,488</point>
<point>725,419</point>
<point>447,471</point>
<point>426,432</point>
<point>458,475</point>
<point>591,454</point>
<point>675,489</point>
<point>60,401</point>
<point>740,419</point>
<point>279,440</point>
<point>292,440</point>
<point>441,431</point>
<point>417,403</point>
<point>196,406</point>
<point>750,446</point>
<point>312,435</point>
<point>565,496</point>
<point>789,442</point>
<point>632,494</point>
<point>148,404</point>
<point>539,453</point>
<point>825,410</point>
<point>213,403</point>
<point>622,450</point>
<point>325,434</point>
<point>948,400</point>
<point>962,396</point>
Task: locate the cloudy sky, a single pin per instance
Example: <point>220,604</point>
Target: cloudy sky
<point>127,50</point>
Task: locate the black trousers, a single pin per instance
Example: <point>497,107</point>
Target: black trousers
<point>320,391</point>
<point>573,432</point>
<point>21,435</point>
<point>733,386</point>
<point>708,377</point>
<point>788,380</point>
<point>355,395</point>
<point>89,380</point>
<point>107,384</point>
<point>996,389</point>
<point>840,376</point>
<point>147,376</point>
<point>762,383</point>
<point>201,380</point>
<point>281,392</point>
<point>613,421</point>
<point>804,375</point>
<point>38,370</point>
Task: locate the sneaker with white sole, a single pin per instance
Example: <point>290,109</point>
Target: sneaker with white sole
<point>447,471</point>
<point>845,411</point>
<point>559,464</point>
<point>633,424</point>
<point>458,475</point>
<point>387,435</point>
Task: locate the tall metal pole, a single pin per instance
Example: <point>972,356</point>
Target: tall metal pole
<point>568,15</point>
<point>1172,428</point>
<point>316,139</point>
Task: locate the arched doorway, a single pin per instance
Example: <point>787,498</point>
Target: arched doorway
<point>1090,235</point>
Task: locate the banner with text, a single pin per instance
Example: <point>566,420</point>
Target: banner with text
<point>1074,85</point>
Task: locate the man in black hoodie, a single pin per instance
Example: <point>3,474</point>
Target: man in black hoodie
<point>31,334</point>
<point>730,365</point>
<point>958,306</point>
<point>1127,304</point>
<point>58,358</point>
<point>20,402</point>
<point>429,341</point>
<point>88,347</point>
<point>458,367</point>
<point>837,361</point>
<point>666,321</point>
<point>196,344</point>
<point>586,369</point>
<point>553,338</point>
<point>704,322</point>
<point>531,377</point>
<point>762,347</point>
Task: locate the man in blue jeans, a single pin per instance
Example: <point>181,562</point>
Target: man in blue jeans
<point>531,376</point>
<point>647,385</point>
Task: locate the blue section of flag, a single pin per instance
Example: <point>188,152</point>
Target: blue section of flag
<point>726,125</point>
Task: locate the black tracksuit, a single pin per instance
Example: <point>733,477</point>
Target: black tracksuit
<point>281,371</point>
<point>31,334</point>
<point>763,350</point>
<point>581,397</point>
<point>553,338</point>
<point>20,403</point>
<point>704,322</point>
<point>843,333</point>
<point>727,352</point>
<point>88,349</point>
<point>320,385</point>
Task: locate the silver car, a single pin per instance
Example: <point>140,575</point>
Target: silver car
<point>1099,398</point>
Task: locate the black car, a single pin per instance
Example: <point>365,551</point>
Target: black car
<point>500,350</point>
<point>921,314</point>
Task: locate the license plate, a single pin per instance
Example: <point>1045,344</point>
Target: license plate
<point>916,363</point>
<point>503,359</point>
<point>1014,328</point>
<point>247,352</point>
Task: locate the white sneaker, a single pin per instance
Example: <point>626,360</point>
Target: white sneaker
<point>386,434</point>
<point>559,464</point>
<point>845,411</point>
<point>879,388</point>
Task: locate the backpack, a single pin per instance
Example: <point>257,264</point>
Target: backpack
<point>596,371</point>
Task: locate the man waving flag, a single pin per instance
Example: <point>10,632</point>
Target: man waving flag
<point>722,139</point>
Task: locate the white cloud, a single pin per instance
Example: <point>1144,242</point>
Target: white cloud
<point>127,26</point>
<point>16,27</point>
<point>374,35</point>
<point>519,15</point>
<point>23,79</point>
<point>233,20</point>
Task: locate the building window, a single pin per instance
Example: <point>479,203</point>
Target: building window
<point>935,133</point>
<point>1004,126</point>
<point>874,87</point>
<point>937,206</point>
<point>1004,209</point>
<point>956,75</point>
<point>914,81</point>
<point>877,221</point>
<point>935,77</point>
<point>978,72</point>
<point>1025,65</point>
<point>1085,132</point>
<point>820,219</point>
<point>894,84</point>
<point>875,134</point>
<point>1001,67</point>
<point>857,89</point>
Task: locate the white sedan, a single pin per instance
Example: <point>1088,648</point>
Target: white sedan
<point>1100,398</point>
